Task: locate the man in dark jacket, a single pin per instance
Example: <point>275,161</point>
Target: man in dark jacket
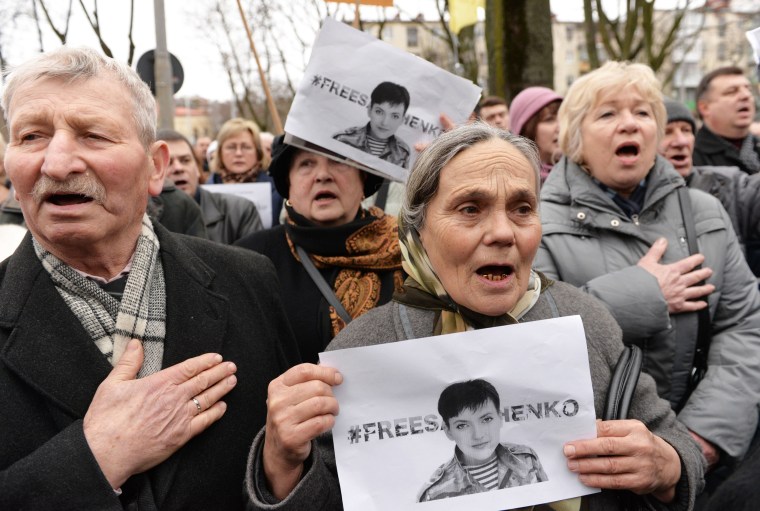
<point>727,107</point>
<point>227,217</point>
<point>176,211</point>
<point>121,343</point>
<point>737,191</point>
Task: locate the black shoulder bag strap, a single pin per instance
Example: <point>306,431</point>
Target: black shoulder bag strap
<point>624,378</point>
<point>699,365</point>
<point>382,194</point>
<point>322,284</point>
<point>623,383</point>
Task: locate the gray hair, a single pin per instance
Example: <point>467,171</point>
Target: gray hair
<point>424,178</point>
<point>75,64</point>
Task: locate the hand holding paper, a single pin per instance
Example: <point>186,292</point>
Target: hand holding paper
<point>626,455</point>
<point>446,123</point>
<point>300,407</point>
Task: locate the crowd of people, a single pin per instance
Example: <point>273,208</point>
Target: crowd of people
<point>159,346</point>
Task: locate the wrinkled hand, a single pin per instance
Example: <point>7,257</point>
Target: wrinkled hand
<point>133,425</point>
<point>626,456</point>
<point>711,454</point>
<point>678,281</point>
<point>300,407</point>
<point>446,123</point>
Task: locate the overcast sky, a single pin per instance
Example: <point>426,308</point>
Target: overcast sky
<point>204,75</point>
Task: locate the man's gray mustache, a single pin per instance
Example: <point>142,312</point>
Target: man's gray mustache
<point>80,184</point>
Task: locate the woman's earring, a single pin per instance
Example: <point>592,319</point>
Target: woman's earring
<point>287,203</point>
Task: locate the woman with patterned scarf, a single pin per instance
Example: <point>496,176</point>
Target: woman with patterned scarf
<point>240,158</point>
<point>354,251</point>
<point>469,230</point>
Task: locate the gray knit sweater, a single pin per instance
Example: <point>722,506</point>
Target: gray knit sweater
<point>319,489</point>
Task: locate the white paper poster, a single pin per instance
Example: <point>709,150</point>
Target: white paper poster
<point>394,450</point>
<point>754,40</point>
<point>258,193</point>
<point>333,106</point>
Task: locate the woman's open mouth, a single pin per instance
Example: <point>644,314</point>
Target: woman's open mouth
<point>627,150</point>
<point>325,196</point>
<point>495,273</point>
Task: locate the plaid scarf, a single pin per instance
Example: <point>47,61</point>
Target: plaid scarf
<point>111,324</point>
<point>748,156</point>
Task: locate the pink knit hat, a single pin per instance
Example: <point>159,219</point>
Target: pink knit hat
<point>528,103</point>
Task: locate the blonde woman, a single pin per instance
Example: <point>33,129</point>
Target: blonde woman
<point>613,225</point>
<point>240,158</point>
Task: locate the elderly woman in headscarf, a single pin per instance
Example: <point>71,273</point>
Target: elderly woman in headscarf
<point>614,226</point>
<point>469,229</point>
<point>353,250</point>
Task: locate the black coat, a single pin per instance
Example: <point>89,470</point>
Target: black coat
<point>711,149</point>
<point>308,311</point>
<point>219,299</point>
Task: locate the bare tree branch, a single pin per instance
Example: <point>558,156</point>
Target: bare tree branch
<point>688,42</point>
<point>37,24</point>
<point>636,34</point>
<point>131,55</point>
<point>238,68</point>
<point>59,34</point>
<point>281,53</point>
<point>95,24</point>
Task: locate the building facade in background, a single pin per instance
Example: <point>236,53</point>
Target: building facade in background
<point>709,37</point>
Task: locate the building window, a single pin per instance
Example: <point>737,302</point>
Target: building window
<point>411,37</point>
<point>569,33</point>
<point>387,32</point>
<point>722,29</point>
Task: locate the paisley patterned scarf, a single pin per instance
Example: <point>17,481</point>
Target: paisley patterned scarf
<point>243,177</point>
<point>361,249</point>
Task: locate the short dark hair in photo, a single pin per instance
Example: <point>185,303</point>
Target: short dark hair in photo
<point>471,394</point>
<point>389,92</point>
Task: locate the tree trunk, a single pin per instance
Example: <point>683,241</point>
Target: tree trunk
<point>519,39</point>
<point>590,28</point>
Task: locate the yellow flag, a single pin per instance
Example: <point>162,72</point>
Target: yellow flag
<point>463,13</point>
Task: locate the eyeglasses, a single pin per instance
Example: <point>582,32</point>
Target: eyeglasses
<point>232,149</point>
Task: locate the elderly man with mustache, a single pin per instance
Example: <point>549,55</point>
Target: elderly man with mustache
<point>133,370</point>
